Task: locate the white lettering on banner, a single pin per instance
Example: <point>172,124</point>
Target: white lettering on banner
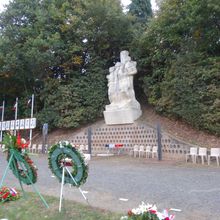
<point>33,123</point>
<point>12,125</point>
<point>21,123</point>
<point>3,126</point>
<point>27,123</point>
<point>17,124</point>
<point>7,126</point>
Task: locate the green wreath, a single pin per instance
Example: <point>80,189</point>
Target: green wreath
<point>64,154</point>
<point>22,167</point>
<point>21,164</point>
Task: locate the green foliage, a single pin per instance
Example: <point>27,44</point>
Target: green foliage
<point>61,51</point>
<point>179,57</point>
<point>108,30</point>
<point>191,91</point>
<point>141,9</point>
<point>24,50</point>
<point>9,141</point>
<point>80,101</point>
<point>144,216</point>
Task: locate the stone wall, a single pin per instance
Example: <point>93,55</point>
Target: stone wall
<point>130,135</point>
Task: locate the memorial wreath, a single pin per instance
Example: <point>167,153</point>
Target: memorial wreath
<point>64,154</point>
<point>21,164</point>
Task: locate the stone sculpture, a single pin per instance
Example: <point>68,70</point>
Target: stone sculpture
<point>123,107</point>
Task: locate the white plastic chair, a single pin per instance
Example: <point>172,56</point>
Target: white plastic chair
<point>46,148</point>
<point>203,154</point>
<point>136,150</point>
<point>215,152</point>
<point>154,151</point>
<point>81,147</point>
<point>34,147</point>
<point>148,151</point>
<point>86,147</point>
<point>39,149</point>
<point>192,154</point>
<point>141,151</point>
<point>87,158</point>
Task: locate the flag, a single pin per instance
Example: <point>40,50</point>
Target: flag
<point>29,101</point>
<point>15,106</point>
<point>2,108</point>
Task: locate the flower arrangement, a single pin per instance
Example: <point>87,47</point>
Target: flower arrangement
<point>11,141</point>
<point>21,142</point>
<point>8,194</point>
<point>147,212</point>
<point>18,146</point>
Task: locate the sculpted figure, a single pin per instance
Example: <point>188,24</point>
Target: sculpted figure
<point>120,83</point>
<point>123,107</point>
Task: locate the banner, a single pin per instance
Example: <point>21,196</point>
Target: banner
<point>20,124</point>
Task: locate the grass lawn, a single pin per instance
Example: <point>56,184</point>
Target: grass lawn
<point>33,209</point>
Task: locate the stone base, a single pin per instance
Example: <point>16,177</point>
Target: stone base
<point>122,116</point>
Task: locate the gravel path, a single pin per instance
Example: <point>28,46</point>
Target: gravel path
<point>195,189</point>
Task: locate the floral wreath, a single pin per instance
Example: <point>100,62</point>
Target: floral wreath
<point>64,154</point>
<point>18,147</point>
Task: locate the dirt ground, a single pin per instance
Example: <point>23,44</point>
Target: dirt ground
<point>179,129</point>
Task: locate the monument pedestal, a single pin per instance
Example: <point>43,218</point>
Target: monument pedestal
<point>121,116</point>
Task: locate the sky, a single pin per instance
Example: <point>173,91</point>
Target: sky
<point>125,2</point>
<point>3,2</point>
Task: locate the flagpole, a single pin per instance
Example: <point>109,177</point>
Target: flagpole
<point>2,119</point>
<point>16,113</point>
<point>32,115</point>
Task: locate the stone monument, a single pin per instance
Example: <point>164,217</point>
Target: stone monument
<point>123,107</point>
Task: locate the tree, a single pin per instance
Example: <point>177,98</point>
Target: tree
<point>180,53</point>
<point>24,48</point>
<point>141,9</point>
<point>140,13</point>
<point>61,50</point>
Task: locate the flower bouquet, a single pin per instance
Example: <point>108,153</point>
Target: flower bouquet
<point>147,212</point>
<point>11,141</point>
<point>8,194</point>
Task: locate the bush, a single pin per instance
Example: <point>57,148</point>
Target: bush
<point>191,91</point>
